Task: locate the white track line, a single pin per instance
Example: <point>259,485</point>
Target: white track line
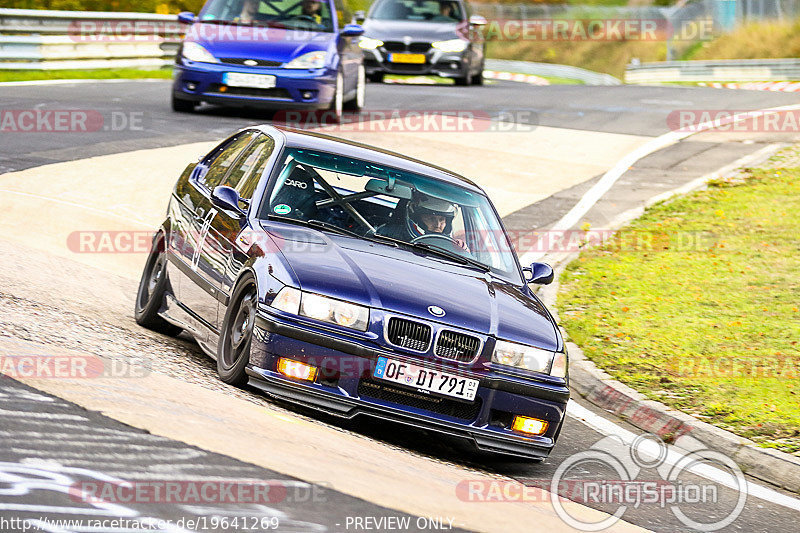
<point>608,180</point>
<point>79,81</point>
<point>606,427</point>
<point>79,206</point>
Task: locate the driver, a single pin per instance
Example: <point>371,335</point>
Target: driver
<point>428,215</point>
<point>249,12</point>
<point>312,8</point>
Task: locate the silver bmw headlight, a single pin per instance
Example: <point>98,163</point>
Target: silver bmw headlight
<point>530,358</point>
<point>369,44</point>
<point>339,312</point>
<point>452,45</point>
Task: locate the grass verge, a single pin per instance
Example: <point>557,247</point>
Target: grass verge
<point>104,74</point>
<point>696,304</point>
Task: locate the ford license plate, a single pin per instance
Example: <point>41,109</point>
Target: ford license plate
<point>256,81</point>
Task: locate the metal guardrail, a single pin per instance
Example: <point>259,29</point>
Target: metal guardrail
<point>714,70</point>
<point>32,39</point>
<point>588,77</point>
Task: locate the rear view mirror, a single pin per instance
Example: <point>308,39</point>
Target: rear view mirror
<point>352,30</point>
<point>395,190</point>
<point>227,199</point>
<point>187,17</point>
<point>540,273</point>
<point>477,20</point>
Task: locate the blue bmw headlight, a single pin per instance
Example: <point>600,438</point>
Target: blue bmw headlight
<point>339,312</point>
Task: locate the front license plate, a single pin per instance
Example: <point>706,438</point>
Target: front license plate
<point>407,58</point>
<point>258,81</point>
<point>425,379</point>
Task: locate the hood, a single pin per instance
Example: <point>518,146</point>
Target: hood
<point>269,44</point>
<point>396,30</point>
<point>402,281</point>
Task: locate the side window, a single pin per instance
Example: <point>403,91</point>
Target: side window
<point>221,159</point>
<point>247,173</point>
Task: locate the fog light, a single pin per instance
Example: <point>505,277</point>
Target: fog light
<point>296,369</point>
<point>531,426</point>
<point>191,86</point>
<point>307,95</point>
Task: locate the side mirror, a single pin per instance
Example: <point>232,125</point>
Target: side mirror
<point>359,16</point>
<point>540,273</point>
<point>477,20</point>
<point>352,30</point>
<point>227,199</point>
<point>187,17</point>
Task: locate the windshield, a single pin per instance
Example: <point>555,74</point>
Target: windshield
<point>295,14</point>
<point>371,201</point>
<point>420,11</point>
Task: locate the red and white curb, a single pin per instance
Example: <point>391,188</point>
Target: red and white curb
<point>488,74</point>
<point>781,86</point>
<point>514,76</point>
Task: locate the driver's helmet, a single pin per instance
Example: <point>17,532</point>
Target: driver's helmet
<point>430,206</point>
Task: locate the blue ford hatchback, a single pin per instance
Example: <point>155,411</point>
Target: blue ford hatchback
<point>362,283</point>
<point>275,54</point>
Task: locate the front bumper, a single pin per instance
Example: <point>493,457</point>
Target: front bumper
<point>201,82</point>
<point>345,387</point>
<point>444,64</point>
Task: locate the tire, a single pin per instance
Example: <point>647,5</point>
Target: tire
<point>376,77</point>
<point>182,106</point>
<point>152,289</point>
<point>336,107</point>
<point>477,79</point>
<point>464,80</point>
<point>233,351</point>
<point>357,103</point>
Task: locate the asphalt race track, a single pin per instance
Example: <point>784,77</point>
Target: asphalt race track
<point>53,301</point>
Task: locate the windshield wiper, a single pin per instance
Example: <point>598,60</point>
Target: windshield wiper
<point>317,224</point>
<point>332,227</point>
<point>450,255</point>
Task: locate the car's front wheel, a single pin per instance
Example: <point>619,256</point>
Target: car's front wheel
<point>233,352</point>
<point>152,290</point>
<point>337,103</point>
<point>376,77</point>
<point>464,80</point>
<point>182,106</point>
<point>477,79</point>
<point>357,103</point>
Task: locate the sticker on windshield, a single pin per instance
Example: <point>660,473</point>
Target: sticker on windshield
<point>282,209</point>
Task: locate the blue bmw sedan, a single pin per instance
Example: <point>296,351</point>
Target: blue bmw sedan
<point>274,54</point>
<point>359,282</point>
